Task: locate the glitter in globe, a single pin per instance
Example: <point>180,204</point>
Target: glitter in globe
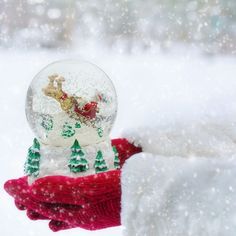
<point>71,100</point>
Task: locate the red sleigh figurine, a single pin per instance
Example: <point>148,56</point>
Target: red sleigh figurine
<point>76,107</point>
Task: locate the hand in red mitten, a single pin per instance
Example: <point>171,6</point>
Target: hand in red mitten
<point>91,202</point>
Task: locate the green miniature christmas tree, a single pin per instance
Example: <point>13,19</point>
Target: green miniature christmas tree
<point>100,132</point>
<point>47,122</point>
<point>77,125</point>
<point>67,130</point>
<point>77,162</point>
<point>33,160</point>
<point>100,164</point>
<point>116,159</point>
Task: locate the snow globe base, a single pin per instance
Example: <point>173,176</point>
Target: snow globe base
<point>74,161</point>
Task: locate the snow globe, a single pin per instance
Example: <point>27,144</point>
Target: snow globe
<point>71,107</point>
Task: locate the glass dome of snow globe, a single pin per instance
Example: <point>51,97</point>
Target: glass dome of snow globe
<point>70,100</point>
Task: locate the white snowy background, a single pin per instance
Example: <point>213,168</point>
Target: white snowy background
<point>164,81</point>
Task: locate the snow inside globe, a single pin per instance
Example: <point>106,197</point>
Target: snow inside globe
<point>71,102</point>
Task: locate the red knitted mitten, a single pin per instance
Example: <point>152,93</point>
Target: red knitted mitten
<point>90,202</point>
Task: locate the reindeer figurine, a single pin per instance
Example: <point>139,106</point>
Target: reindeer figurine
<point>76,107</point>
